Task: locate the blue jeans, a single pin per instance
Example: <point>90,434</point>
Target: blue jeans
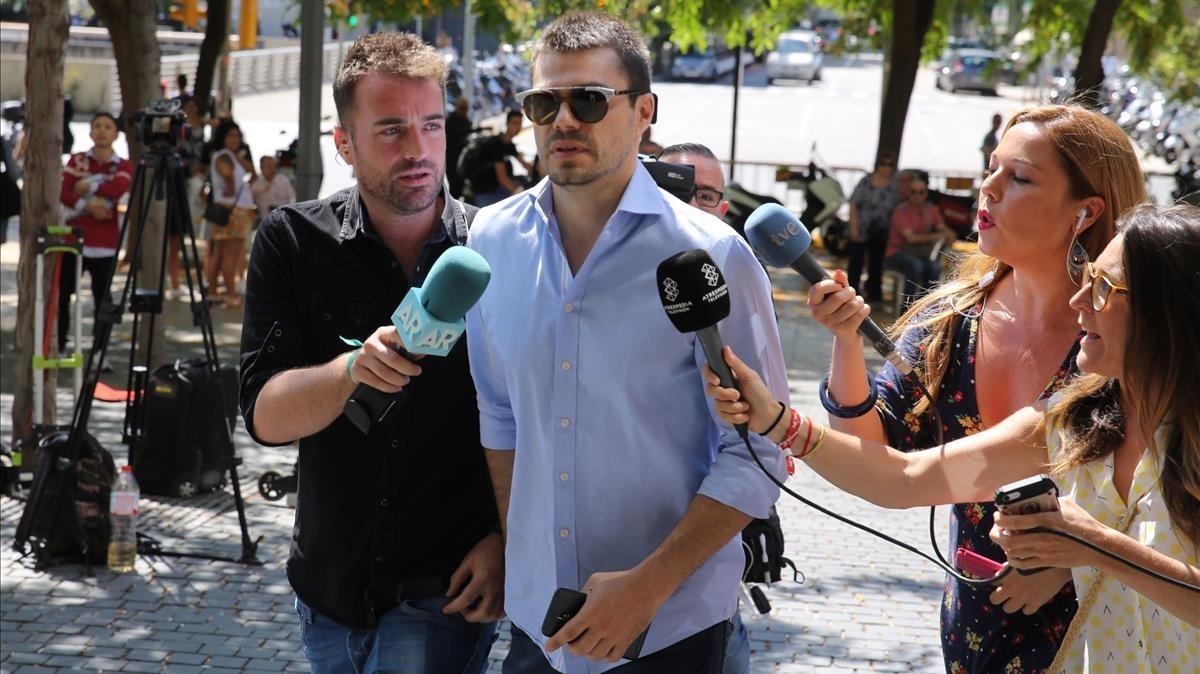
<point>737,649</point>
<point>701,653</point>
<point>920,273</point>
<point>415,637</point>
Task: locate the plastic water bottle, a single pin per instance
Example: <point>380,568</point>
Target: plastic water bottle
<point>122,513</point>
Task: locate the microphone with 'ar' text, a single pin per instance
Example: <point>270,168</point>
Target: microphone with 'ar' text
<point>429,320</point>
<point>695,297</point>
<point>783,241</point>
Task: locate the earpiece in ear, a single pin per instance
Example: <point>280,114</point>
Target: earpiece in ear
<point>1079,221</point>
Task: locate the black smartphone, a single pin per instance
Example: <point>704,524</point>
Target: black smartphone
<point>1032,495</point>
<point>565,604</point>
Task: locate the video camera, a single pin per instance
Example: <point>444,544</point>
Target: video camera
<point>678,179</point>
<point>160,126</point>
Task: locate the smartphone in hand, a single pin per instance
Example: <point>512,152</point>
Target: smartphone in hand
<point>565,604</point>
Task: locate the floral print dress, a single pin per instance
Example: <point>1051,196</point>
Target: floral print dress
<point>978,637</point>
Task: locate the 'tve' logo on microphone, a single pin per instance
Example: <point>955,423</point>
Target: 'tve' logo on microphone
<point>779,238</point>
<point>420,331</point>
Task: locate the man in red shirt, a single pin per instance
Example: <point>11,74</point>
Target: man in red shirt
<point>93,182</point>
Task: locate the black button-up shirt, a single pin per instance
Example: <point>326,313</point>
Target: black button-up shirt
<point>409,500</point>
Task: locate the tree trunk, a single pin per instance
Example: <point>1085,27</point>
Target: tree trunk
<point>133,32</point>
<point>44,59</point>
<point>216,35</point>
<point>910,21</point>
<point>1089,72</point>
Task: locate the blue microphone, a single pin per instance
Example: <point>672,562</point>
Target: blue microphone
<point>782,240</point>
<point>430,320</point>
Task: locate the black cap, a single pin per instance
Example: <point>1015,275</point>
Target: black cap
<point>692,290</point>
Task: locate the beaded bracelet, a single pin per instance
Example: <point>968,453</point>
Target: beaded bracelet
<point>847,412</point>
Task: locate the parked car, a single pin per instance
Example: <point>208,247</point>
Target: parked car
<point>977,69</point>
<point>709,64</point>
<point>797,56</point>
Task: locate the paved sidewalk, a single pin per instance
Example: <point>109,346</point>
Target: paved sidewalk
<point>864,605</point>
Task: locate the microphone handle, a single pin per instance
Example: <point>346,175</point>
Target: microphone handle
<point>806,265</point>
<point>369,408</point>
<point>710,341</point>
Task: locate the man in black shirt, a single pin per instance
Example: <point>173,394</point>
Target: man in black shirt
<point>396,556</point>
<point>491,181</point>
<point>458,130</point>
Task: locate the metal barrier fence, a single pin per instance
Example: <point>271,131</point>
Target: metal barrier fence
<point>259,70</point>
<point>773,180</point>
<point>778,181</point>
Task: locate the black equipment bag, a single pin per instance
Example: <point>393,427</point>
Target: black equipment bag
<point>186,443</point>
<point>77,496</point>
<point>762,541</point>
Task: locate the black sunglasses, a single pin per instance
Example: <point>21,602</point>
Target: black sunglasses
<point>588,104</point>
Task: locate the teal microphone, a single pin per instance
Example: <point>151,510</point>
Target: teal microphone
<point>430,320</point>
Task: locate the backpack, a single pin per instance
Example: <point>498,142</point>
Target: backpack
<point>82,530</point>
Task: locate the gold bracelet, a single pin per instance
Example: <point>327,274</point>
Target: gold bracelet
<point>816,445</point>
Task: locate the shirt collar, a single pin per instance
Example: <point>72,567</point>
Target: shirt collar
<point>112,158</point>
<point>355,219</point>
<point>642,196</point>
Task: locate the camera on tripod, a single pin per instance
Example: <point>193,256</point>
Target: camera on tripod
<point>161,126</point>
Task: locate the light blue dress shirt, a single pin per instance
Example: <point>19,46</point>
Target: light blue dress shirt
<point>603,401</point>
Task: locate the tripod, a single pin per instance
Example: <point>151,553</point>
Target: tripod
<point>160,176</point>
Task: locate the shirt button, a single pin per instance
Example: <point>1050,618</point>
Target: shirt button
<point>326,316</point>
<point>569,307</point>
<point>564,422</point>
<point>270,348</point>
<point>564,532</point>
<point>563,477</point>
<point>278,333</point>
<point>383,503</point>
<point>379,559</point>
<point>566,365</point>
<point>395,443</point>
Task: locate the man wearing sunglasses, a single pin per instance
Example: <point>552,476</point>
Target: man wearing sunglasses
<point>612,475</point>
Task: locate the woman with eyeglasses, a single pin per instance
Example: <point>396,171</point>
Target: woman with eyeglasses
<point>917,235</point>
<point>871,205</point>
<point>1122,443</point>
<point>989,341</point>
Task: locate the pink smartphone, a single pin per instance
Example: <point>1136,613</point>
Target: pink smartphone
<point>976,564</point>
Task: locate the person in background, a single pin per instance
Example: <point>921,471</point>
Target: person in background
<point>709,193</point>
<point>871,205</point>
<point>458,130</point>
<point>990,140</point>
<point>917,228</point>
<point>228,184</point>
<point>271,189</point>
<point>93,182</point>
<point>492,181</point>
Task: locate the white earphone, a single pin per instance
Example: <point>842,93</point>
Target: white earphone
<point>1082,217</point>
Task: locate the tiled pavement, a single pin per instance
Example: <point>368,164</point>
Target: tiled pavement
<point>864,606</point>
